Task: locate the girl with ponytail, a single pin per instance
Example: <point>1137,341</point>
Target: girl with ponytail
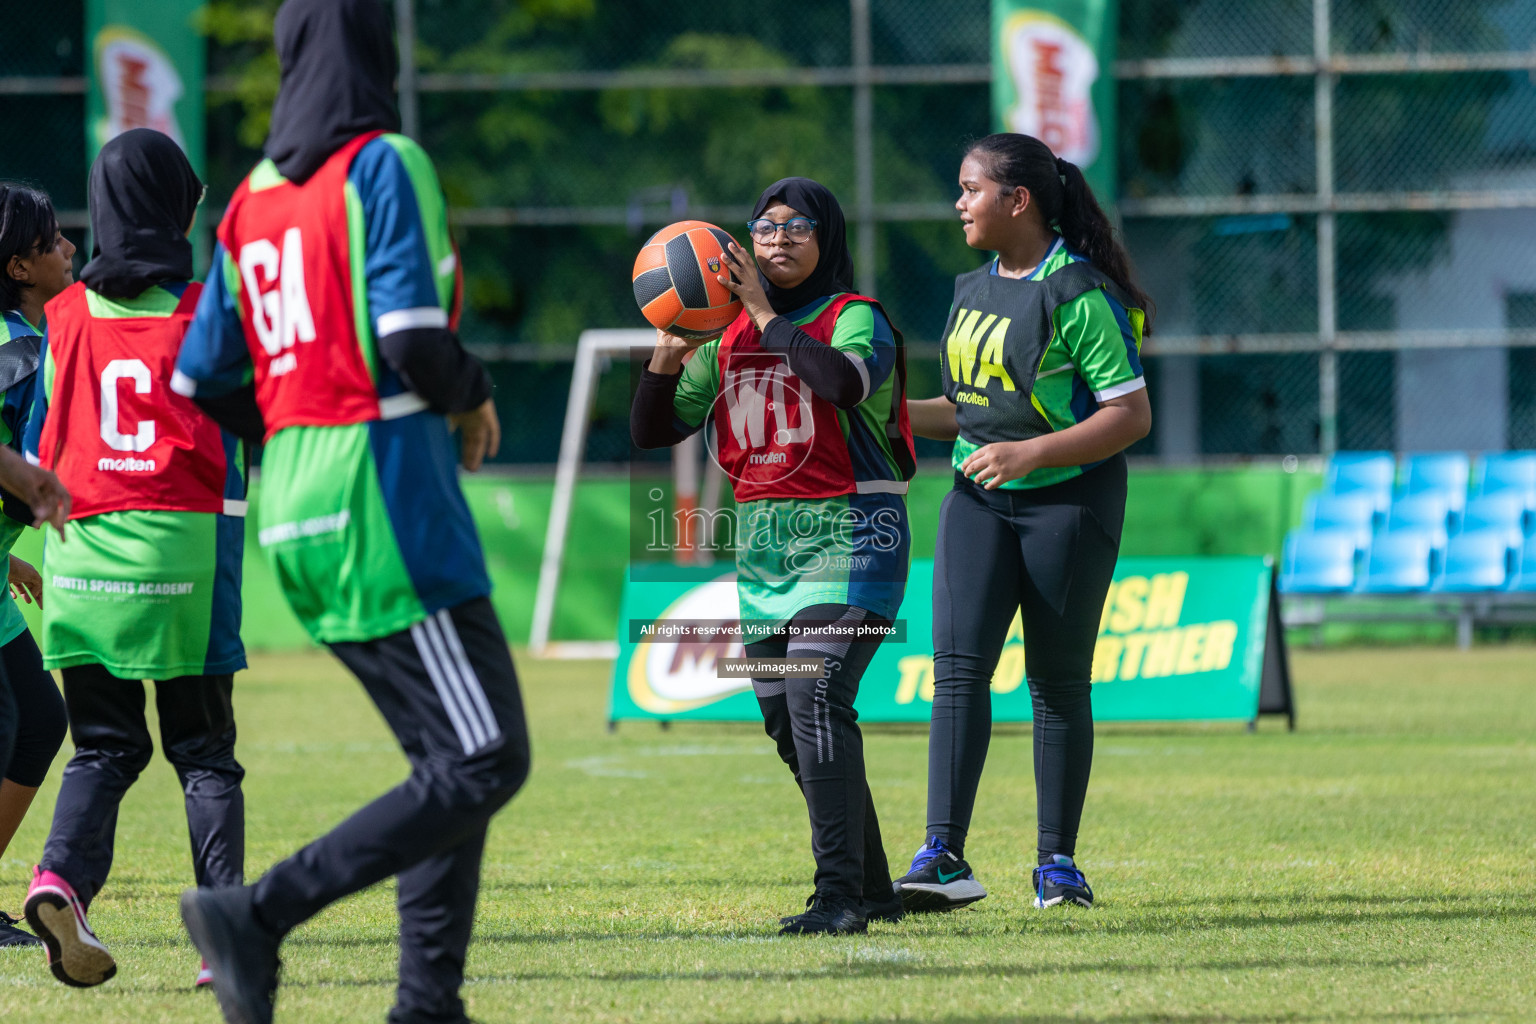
<point>1043,392</point>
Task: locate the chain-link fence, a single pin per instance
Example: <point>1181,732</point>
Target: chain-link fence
<point>42,99</point>
<point>1333,202</point>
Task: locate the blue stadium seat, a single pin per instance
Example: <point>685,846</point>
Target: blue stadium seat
<point>1425,512</point>
<point>1399,561</point>
<point>1509,473</point>
<point>1524,578</point>
<point>1476,560</point>
<point>1353,512</point>
<point>1442,473</point>
<point>1318,562</point>
<point>1370,473</point>
<point>1500,510</point>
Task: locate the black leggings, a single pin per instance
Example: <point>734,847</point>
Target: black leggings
<point>113,746</point>
<point>40,721</point>
<point>816,730</point>
<point>1049,551</point>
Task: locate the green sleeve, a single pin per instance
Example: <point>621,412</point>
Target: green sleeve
<point>45,398</point>
<point>854,331</point>
<point>1105,350</point>
<point>233,286</point>
<point>700,384</point>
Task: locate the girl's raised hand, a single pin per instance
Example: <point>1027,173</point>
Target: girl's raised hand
<point>672,341</point>
<point>672,351</point>
<point>739,274</point>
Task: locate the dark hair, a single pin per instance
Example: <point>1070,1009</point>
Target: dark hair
<point>27,226</point>
<point>1066,202</point>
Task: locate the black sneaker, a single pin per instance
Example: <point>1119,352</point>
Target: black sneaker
<point>938,881</point>
<point>830,915</point>
<point>887,909</point>
<point>1061,882</point>
<point>12,936</point>
<point>241,954</point>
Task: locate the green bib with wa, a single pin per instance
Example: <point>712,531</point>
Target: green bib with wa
<point>998,331</point>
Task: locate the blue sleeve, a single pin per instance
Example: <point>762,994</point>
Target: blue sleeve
<point>18,407</point>
<point>214,358</point>
<point>882,360</point>
<point>32,438</point>
<point>397,262</point>
<point>1129,333</point>
<point>410,267</point>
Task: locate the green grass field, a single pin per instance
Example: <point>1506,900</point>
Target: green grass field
<point>1379,864</point>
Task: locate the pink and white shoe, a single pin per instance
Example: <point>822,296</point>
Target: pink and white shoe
<point>57,916</point>
<point>204,977</point>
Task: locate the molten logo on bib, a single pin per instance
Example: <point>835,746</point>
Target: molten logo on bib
<point>1053,70</point>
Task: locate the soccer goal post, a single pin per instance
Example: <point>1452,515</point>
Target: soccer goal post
<point>595,352</point>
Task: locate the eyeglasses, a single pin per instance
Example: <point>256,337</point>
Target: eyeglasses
<point>799,229</point>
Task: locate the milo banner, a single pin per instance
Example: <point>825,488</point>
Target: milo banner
<point>1181,638</point>
<point>146,71</point>
<point>1052,63</point>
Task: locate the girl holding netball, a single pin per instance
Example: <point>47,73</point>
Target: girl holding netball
<point>806,389</point>
<point>1043,392</point>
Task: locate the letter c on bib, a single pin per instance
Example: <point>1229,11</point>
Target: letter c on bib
<point>144,436</point>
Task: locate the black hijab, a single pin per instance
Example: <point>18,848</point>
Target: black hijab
<point>834,270</point>
<point>338,65</point>
<point>143,193</point>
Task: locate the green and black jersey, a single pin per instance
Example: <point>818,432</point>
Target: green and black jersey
<point>1029,356</point>
<point>20,347</point>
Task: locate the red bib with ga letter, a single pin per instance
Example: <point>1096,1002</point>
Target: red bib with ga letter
<point>291,244</point>
<point>116,434</point>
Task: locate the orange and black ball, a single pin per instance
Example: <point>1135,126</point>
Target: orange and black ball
<point>677,281</point>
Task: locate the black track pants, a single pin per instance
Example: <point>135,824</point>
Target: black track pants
<point>112,746</point>
<point>448,690</point>
<point>1051,552</point>
<point>40,720</point>
<point>814,726</point>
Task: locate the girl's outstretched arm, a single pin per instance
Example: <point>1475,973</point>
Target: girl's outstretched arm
<point>933,418</point>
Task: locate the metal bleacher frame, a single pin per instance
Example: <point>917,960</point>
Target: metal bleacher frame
<point>1467,609</point>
